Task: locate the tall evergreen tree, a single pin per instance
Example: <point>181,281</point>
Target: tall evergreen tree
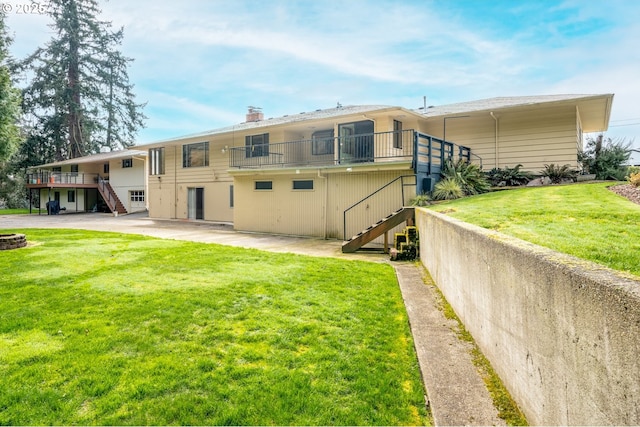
<point>78,93</point>
<point>9,100</point>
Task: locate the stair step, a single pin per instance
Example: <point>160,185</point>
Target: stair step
<point>365,236</point>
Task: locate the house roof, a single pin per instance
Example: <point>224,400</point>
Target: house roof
<point>286,119</point>
<point>594,109</point>
<point>594,113</point>
<point>99,158</point>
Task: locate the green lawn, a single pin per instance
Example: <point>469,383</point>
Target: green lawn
<point>584,220</point>
<point>20,211</point>
<point>105,328</point>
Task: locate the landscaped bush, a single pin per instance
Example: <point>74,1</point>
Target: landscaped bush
<point>469,176</point>
<point>421,200</point>
<point>508,177</point>
<point>605,158</point>
<point>447,189</point>
<point>558,174</point>
<point>634,179</point>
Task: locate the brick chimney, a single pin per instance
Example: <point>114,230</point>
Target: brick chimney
<point>254,114</point>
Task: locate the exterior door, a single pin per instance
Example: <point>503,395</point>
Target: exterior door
<point>356,141</point>
<point>195,206</point>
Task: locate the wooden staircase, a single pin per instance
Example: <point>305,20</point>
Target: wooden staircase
<point>406,214</point>
<point>110,197</point>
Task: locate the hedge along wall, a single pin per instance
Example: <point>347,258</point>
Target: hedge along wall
<point>562,333</point>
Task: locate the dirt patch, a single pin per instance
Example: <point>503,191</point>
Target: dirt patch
<point>627,190</point>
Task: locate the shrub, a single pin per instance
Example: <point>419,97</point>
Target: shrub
<point>605,158</point>
<point>421,200</point>
<point>557,174</point>
<point>634,179</point>
<point>469,176</point>
<point>508,176</point>
<point>632,170</point>
<point>447,189</point>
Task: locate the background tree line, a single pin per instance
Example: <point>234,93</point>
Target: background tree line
<point>70,98</point>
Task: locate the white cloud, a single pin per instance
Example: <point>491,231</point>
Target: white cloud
<point>201,61</point>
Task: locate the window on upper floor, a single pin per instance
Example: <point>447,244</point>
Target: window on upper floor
<point>322,142</point>
<point>257,145</point>
<point>195,155</point>
<point>397,134</point>
<point>74,170</point>
<point>156,161</point>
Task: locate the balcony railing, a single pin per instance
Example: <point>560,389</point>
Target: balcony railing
<point>48,177</point>
<point>365,148</point>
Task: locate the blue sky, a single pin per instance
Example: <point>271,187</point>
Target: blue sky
<point>200,63</point>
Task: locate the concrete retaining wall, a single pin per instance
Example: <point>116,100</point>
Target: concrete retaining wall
<point>562,333</point>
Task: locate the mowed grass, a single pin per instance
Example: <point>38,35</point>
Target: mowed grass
<point>585,220</point>
<point>21,211</point>
<point>114,329</point>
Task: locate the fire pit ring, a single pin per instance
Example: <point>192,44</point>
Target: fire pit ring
<point>12,241</point>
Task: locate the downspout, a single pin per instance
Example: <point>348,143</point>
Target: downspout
<point>326,200</point>
<point>496,139</point>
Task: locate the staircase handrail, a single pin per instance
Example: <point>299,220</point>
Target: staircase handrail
<point>105,189</point>
<point>344,214</point>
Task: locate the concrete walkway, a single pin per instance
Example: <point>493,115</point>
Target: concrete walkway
<point>457,395</point>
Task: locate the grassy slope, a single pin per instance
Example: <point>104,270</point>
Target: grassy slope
<point>584,220</point>
<point>102,328</point>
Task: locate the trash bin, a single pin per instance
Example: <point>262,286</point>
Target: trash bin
<point>53,207</point>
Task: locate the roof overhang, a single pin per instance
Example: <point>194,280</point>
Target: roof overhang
<point>98,158</point>
<point>594,110</point>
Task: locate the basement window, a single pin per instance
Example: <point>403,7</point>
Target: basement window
<point>303,184</point>
<point>263,185</point>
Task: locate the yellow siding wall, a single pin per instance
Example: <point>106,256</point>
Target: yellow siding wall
<point>532,137</point>
<point>167,196</point>
<point>283,210</point>
<point>346,189</point>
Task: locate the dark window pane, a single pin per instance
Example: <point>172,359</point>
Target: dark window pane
<point>264,185</point>
<point>306,184</point>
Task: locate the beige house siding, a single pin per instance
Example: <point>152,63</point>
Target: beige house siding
<point>346,189</point>
<point>283,210</point>
<point>532,137</point>
<point>168,193</point>
<point>477,132</point>
<point>538,138</point>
